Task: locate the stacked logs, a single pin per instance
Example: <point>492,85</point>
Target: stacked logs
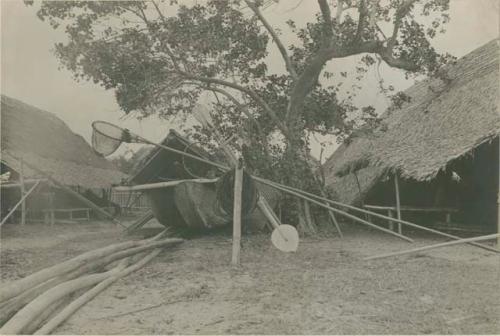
<point>42,301</point>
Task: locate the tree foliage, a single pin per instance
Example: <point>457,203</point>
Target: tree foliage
<point>159,56</point>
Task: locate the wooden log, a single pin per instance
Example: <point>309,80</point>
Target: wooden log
<point>238,188</point>
<point>92,266</point>
<point>19,203</point>
<point>23,317</point>
<point>347,206</point>
<point>17,287</point>
<point>10,307</point>
<point>109,253</point>
<point>430,247</point>
<point>35,324</point>
<point>89,295</point>
<point>398,202</point>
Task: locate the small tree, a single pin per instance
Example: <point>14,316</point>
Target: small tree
<point>159,56</point>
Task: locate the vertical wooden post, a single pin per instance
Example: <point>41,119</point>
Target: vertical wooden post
<point>51,204</point>
<point>23,192</point>
<point>498,196</point>
<point>391,223</point>
<point>398,203</point>
<point>308,218</point>
<point>238,188</point>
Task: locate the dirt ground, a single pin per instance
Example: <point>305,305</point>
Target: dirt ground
<point>324,288</point>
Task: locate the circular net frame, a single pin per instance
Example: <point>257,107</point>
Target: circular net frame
<point>106,137</point>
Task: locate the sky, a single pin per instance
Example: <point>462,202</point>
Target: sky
<point>31,73</point>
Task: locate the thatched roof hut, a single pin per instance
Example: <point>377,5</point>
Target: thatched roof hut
<point>444,120</point>
<point>42,140</point>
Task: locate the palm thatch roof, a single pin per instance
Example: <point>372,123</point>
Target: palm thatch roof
<point>350,188</point>
<point>444,120</point>
<point>45,142</point>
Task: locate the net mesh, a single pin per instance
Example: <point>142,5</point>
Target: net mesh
<point>106,138</point>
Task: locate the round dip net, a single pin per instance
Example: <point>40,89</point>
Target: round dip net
<point>106,137</point>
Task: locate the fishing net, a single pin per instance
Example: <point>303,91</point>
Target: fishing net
<point>106,137</point>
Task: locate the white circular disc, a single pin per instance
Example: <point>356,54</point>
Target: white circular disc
<point>285,238</point>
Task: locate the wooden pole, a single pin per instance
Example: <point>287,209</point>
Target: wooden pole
<point>429,247</point>
<point>160,185</point>
<point>498,196</point>
<point>23,192</point>
<point>51,204</point>
<point>238,188</point>
<point>19,203</point>
<point>391,223</point>
<point>398,202</point>
<point>302,193</point>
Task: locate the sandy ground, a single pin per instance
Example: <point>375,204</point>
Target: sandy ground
<point>324,288</point>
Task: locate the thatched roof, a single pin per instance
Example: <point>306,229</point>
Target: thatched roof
<point>42,140</point>
<point>345,187</point>
<point>443,121</point>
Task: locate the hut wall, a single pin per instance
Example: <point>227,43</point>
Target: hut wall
<point>474,195</point>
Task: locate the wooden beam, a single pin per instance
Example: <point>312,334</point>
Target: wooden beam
<point>398,202</point>
<point>23,191</point>
<point>160,185</point>
<point>19,203</point>
<point>238,188</point>
<point>18,185</point>
<point>430,247</point>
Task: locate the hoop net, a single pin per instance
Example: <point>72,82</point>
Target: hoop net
<point>106,137</point>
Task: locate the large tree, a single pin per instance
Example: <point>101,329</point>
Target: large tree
<point>160,55</point>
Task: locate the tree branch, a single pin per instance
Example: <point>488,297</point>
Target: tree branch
<point>327,18</point>
<point>401,12</point>
<point>245,111</point>
<point>279,44</point>
<point>362,10</point>
<point>252,94</point>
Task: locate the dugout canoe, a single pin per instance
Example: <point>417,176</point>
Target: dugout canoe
<point>194,205</point>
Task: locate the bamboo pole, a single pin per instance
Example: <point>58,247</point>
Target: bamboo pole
<point>89,295</point>
<point>359,220</point>
<point>19,321</point>
<point>23,191</point>
<point>238,188</point>
<point>423,228</point>
<point>106,255</point>
<point>398,202</point>
<point>19,203</point>
<point>159,185</point>
<point>430,247</point>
